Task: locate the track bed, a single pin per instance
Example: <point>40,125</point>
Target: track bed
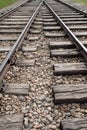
<point>44,81</point>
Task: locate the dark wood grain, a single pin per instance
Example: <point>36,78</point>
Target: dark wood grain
<point>70,68</point>
<point>17,89</point>
<point>11,122</point>
<point>26,63</point>
<point>74,124</point>
<point>65,53</point>
<point>70,93</point>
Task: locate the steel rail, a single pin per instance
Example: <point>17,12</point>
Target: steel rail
<point>72,7</point>
<point>12,10</point>
<point>68,32</point>
<point>8,60</point>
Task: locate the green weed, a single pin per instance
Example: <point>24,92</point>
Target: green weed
<point>4,3</point>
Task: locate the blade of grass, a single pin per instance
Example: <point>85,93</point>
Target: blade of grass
<point>81,1</point>
<point>4,3</point>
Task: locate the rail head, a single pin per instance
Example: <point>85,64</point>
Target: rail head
<point>68,32</point>
<point>6,63</point>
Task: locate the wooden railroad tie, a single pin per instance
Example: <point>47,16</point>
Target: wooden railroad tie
<point>24,48</point>
<point>66,44</point>
<point>74,124</point>
<point>16,89</point>
<point>57,35</point>
<point>70,93</point>
<point>26,63</point>
<point>70,68</point>
<point>65,53</point>
<point>11,122</point>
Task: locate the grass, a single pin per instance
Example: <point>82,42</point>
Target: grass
<point>82,1</point>
<point>4,3</point>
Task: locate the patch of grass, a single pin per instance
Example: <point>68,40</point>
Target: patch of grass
<point>4,3</point>
<point>82,1</point>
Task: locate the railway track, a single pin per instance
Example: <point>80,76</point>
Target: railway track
<point>43,53</point>
<point>11,28</point>
<point>75,36</point>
